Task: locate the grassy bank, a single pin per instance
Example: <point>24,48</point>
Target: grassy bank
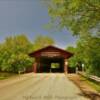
<point>90,88</point>
<point>91,83</point>
<point>5,75</point>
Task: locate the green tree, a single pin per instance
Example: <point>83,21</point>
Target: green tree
<point>87,52</point>
<point>42,41</point>
<point>82,18</point>
<point>73,60</point>
<point>79,16</point>
<point>14,54</point>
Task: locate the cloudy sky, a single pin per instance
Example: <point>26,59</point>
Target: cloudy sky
<point>29,17</point>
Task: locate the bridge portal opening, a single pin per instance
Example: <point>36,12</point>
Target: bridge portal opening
<point>53,65</point>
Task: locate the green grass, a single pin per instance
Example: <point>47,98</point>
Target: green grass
<point>5,75</point>
<point>1,78</point>
<point>93,84</point>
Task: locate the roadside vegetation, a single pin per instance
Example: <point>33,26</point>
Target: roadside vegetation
<point>14,53</point>
<point>5,75</point>
<point>90,88</point>
<point>93,84</point>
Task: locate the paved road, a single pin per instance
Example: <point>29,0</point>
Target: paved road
<point>40,87</point>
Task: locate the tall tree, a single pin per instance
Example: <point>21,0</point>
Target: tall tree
<point>80,16</point>
<point>87,53</point>
<point>89,50</point>
<point>14,54</point>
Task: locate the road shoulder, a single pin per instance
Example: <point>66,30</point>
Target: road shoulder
<point>84,87</point>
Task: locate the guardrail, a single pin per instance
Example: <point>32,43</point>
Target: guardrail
<point>95,78</point>
<point>92,77</point>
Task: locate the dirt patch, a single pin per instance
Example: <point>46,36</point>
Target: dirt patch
<point>87,90</point>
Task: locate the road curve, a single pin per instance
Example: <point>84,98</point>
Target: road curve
<point>40,87</point>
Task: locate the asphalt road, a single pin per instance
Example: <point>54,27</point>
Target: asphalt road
<point>40,87</point>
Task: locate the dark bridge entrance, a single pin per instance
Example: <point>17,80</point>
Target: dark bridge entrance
<point>51,65</point>
<point>50,59</point>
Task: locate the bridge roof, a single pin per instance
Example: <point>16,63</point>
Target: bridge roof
<point>51,51</point>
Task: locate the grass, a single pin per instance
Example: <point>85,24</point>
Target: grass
<point>5,75</point>
<point>93,84</point>
<point>1,78</point>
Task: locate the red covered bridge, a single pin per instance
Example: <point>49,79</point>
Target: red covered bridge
<point>50,59</point>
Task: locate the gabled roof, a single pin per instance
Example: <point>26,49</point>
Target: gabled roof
<point>48,48</point>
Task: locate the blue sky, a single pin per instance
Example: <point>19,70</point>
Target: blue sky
<point>29,17</point>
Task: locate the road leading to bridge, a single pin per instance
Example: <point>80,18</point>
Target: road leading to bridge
<point>40,87</point>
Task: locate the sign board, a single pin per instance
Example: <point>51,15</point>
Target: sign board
<point>50,54</point>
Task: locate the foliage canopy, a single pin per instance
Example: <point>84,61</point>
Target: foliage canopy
<point>42,41</point>
<point>80,16</point>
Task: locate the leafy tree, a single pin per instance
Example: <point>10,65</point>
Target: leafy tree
<point>87,52</point>
<point>42,41</point>
<point>14,54</point>
<point>72,61</point>
<point>80,16</point>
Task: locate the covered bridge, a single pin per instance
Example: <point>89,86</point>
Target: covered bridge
<point>50,59</point>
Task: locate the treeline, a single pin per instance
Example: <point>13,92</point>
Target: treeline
<point>14,52</point>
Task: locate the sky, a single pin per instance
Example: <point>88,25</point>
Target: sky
<point>30,17</point>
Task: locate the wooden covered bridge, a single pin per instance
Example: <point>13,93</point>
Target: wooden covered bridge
<point>50,59</point>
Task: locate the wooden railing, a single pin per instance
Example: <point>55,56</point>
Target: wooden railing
<point>92,77</point>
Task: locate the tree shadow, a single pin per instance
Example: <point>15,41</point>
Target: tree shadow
<point>91,95</point>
